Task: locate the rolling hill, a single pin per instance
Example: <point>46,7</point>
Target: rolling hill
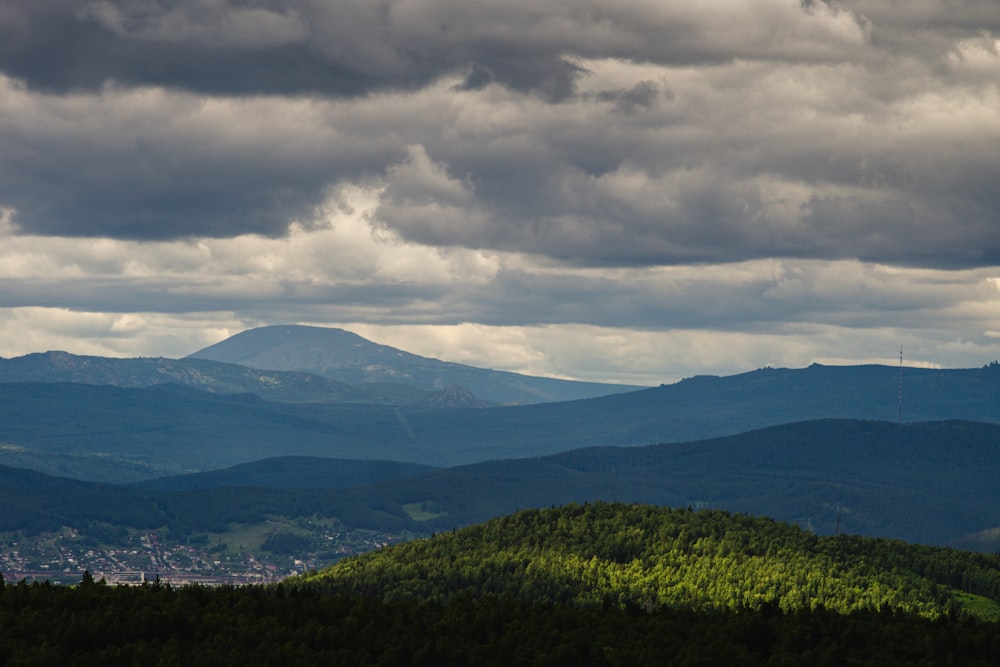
<point>933,483</point>
<point>248,493</point>
<point>641,556</point>
<point>347,357</point>
<point>290,472</point>
<point>601,584</point>
<point>32,501</point>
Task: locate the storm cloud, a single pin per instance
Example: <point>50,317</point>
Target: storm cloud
<point>632,166</point>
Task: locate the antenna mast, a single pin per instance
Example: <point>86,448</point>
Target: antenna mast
<point>900,384</point>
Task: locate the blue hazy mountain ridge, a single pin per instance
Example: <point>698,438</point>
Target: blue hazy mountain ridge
<point>290,472</point>
<point>33,501</point>
<point>115,434</point>
<point>202,374</point>
<point>929,482</point>
<point>347,357</point>
<point>933,483</point>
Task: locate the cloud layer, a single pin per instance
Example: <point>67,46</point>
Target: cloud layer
<point>815,179</point>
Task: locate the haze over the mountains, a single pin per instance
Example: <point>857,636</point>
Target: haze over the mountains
<point>309,364</point>
<point>221,451</point>
<point>347,357</point>
<point>933,483</point>
<point>200,374</point>
<point>152,417</point>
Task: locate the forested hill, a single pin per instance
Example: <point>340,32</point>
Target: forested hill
<point>645,556</point>
<point>642,586</point>
<point>932,483</point>
<point>290,472</point>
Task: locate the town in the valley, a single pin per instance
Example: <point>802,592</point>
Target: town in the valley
<point>142,557</point>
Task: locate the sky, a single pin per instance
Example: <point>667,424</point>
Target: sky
<point>632,191</point>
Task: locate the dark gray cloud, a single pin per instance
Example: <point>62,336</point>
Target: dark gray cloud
<point>354,47</point>
<point>642,95</point>
<point>513,164</point>
<point>66,45</point>
<point>289,47</point>
<point>146,163</point>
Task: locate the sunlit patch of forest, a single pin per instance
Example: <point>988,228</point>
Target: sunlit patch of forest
<point>593,584</point>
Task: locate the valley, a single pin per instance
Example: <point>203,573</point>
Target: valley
<point>786,494</point>
<point>127,434</point>
<point>830,477</point>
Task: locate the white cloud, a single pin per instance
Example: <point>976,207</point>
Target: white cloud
<point>36,329</point>
<point>512,311</point>
<point>629,356</point>
<point>341,247</point>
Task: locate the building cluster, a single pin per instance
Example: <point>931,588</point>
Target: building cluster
<point>146,556</point>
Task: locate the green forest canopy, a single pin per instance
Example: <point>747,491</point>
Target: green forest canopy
<point>603,584</point>
<point>647,556</point>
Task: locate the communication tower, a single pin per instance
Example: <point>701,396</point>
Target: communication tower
<point>900,384</point>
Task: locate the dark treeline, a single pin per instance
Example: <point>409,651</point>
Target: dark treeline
<point>95,624</point>
<point>603,584</point>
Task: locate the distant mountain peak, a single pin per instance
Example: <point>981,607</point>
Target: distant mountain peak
<point>347,357</point>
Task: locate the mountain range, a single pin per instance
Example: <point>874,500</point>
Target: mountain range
<point>347,357</point>
<point>308,364</point>
<point>126,434</point>
<point>201,374</point>
<point>198,444</point>
<point>933,483</point>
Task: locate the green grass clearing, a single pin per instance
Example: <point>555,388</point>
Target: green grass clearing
<point>419,512</point>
